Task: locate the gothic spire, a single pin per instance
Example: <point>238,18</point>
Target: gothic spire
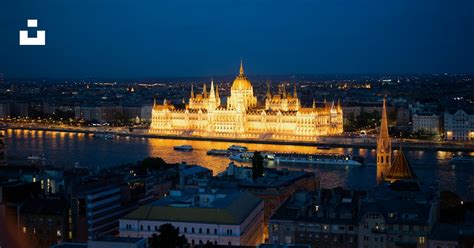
<point>204,91</point>
<point>384,122</point>
<point>192,90</point>
<point>241,68</point>
<point>217,92</point>
<point>212,92</point>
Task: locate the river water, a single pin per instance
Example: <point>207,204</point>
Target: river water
<point>65,149</point>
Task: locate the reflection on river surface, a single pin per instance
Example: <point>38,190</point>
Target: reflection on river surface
<point>64,148</point>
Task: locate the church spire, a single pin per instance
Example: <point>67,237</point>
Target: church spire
<point>192,90</point>
<point>154,102</point>
<point>314,103</point>
<point>384,147</point>
<point>384,122</point>
<point>241,73</point>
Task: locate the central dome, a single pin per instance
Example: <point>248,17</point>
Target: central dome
<point>241,82</point>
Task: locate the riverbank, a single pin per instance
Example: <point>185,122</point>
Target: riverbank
<point>325,141</point>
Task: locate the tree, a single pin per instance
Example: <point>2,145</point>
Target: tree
<point>168,237</point>
<point>257,165</point>
<point>156,163</point>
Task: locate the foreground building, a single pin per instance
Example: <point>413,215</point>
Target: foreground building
<point>400,211</point>
<point>282,117</point>
<point>216,217</point>
<point>323,218</point>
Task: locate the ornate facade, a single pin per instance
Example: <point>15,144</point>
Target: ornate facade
<point>282,117</point>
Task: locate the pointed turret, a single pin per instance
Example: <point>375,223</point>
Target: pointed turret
<point>384,122</point>
<point>401,169</point>
<point>295,95</point>
<point>192,90</point>
<point>241,71</point>
<point>314,103</point>
<point>217,96</point>
<point>384,147</point>
<point>154,102</point>
<point>333,108</point>
<point>204,91</point>
<point>165,102</point>
<point>269,94</point>
<point>212,92</point>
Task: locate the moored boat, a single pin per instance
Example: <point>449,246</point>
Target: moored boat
<point>323,147</point>
<point>183,148</point>
<point>236,148</point>
<point>462,160</point>
<point>217,152</point>
<point>103,135</point>
<point>300,158</point>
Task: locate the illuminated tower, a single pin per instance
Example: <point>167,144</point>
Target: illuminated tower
<point>384,147</point>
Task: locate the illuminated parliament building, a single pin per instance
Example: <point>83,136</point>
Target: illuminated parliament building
<point>281,118</point>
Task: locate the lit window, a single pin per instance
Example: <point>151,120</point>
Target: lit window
<point>421,240</point>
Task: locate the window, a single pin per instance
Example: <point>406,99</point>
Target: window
<point>185,230</point>
<point>148,228</point>
<point>141,227</point>
<point>200,231</point>
<point>215,231</point>
<point>275,227</point>
<point>207,231</point>
<point>156,228</point>
<point>192,230</point>
<point>421,240</point>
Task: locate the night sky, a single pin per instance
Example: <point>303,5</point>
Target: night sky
<point>153,38</point>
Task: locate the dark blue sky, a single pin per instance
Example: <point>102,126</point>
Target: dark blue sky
<point>153,38</point>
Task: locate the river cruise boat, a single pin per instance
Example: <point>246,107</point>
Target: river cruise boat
<point>103,135</point>
<point>300,158</point>
<point>462,160</point>
<point>184,148</point>
<point>235,148</point>
<point>217,152</point>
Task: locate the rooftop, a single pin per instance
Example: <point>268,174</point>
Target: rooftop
<point>214,207</point>
<point>118,239</point>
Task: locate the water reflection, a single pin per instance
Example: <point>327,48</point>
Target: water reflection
<point>63,148</point>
